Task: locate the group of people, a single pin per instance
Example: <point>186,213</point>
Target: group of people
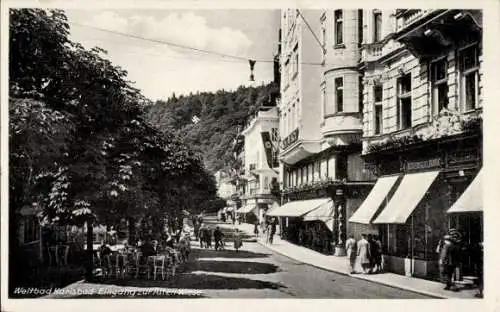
<point>449,251</point>
<point>206,234</point>
<point>367,251</point>
<point>268,227</point>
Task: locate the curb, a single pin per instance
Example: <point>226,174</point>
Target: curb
<point>360,277</point>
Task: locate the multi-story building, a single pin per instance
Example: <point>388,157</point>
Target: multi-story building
<point>261,164</point>
<point>422,132</point>
<point>225,187</point>
<point>320,124</point>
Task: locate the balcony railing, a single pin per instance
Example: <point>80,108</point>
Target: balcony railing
<point>405,18</point>
<point>373,52</point>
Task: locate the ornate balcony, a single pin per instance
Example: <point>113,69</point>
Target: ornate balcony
<point>374,52</point>
<point>445,125</point>
<point>426,33</point>
<point>342,128</point>
<point>405,18</point>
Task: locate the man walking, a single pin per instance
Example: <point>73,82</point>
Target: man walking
<point>350,246</point>
<point>447,262</point>
<point>218,238</point>
<point>272,230</point>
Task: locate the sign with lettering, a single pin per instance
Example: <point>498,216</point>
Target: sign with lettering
<point>423,164</point>
<point>290,139</point>
<point>462,157</point>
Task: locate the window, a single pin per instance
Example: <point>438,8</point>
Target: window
<point>285,124</point>
<point>360,94</point>
<point>295,61</point>
<point>439,79</point>
<point>323,100</point>
<point>286,73</point>
<point>469,67</point>
<point>310,173</point>
<point>332,168</point>
<point>378,97</point>
<point>297,176</point>
<point>324,169</point>
<point>290,129</point>
<point>360,27</point>
<point>294,117</point>
<point>377,26</point>
<point>266,183</point>
<point>339,21</point>
<point>404,102</point>
<point>339,94</point>
<point>304,175</point>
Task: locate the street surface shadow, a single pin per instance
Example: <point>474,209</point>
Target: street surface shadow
<point>210,253</point>
<point>238,267</point>
<point>198,281</point>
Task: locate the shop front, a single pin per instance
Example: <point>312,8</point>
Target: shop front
<point>413,215</point>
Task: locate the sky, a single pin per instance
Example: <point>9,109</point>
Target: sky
<point>160,70</point>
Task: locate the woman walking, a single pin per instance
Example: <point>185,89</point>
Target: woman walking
<point>256,229</point>
<point>237,241</point>
<point>350,246</point>
<point>364,254</point>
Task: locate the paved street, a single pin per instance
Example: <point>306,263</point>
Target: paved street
<point>257,272</point>
<point>253,272</point>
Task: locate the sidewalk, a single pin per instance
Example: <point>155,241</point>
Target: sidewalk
<point>339,265</point>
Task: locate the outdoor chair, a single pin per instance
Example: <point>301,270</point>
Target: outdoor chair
<point>122,265</point>
<point>112,268</point>
<point>136,265</point>
<point>157,265</point>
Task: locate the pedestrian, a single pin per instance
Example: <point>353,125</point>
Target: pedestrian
<point>364,253</point>
<point>447,262</point>
<point>218,238</point>
<point>201,235</point>
<point>479,269</point>
<point>272,230</point>
<point>237,241</point>
<point>378,259</point>
<point>208,238</point>
<point>350,246</point>
<point>301,236</point>
<point>373,253</point>
<point>256,229</point>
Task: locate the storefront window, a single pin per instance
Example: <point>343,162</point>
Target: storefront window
<point>310,173</point>
<point>324,169</point>
<point>332,166</point>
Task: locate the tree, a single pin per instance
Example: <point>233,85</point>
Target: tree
<point>80,147</point>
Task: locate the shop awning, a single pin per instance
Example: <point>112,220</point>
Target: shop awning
<point>246,209</point>
<point>372,203</point>
<point>323,213</point>
<point>297,208</point>
<point>408,195</point>
<point>472,199</point>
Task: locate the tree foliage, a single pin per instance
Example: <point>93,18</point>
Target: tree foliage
<point>220,113</point>
<point>79,142</point>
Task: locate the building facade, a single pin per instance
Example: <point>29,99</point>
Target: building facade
<point>422,132</point>
<point>322,175</point>
<point>261,164</point>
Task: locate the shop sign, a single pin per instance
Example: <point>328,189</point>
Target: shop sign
<point>424,164</point>
<point>462,157</point>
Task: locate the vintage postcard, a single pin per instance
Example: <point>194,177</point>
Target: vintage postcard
<point>216,150</point>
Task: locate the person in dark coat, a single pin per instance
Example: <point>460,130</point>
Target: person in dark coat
<point>448,262</point>
<point>218,238</point>
<point>208,238</point>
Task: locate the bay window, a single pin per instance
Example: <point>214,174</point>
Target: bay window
<point>339,94</point>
